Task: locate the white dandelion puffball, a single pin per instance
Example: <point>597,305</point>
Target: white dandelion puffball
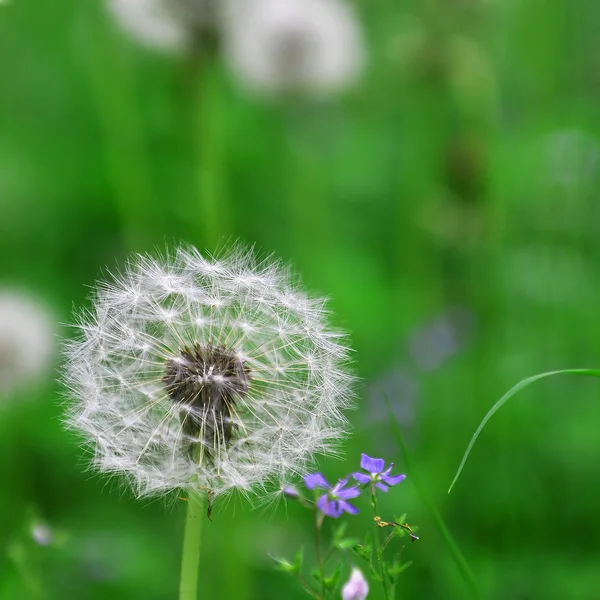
<point>279,46</point>
<point>207,374</point>
<point>165,25</point>
<point>26,340</point>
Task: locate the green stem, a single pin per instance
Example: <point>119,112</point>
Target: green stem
<point>318,523</point>
<point>459,559</point>
<point>188,584</point>
<point>126,156</point>
<point>378,549</point>
<point>307,587</point>
<point>27,568</point>
<point>210,176</point>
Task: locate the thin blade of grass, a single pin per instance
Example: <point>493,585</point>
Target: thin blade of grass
<point>459,559</point>
<point>517,388</point>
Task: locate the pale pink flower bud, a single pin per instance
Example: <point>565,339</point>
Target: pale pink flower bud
<point>356,587</point>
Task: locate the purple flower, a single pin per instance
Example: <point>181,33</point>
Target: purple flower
<point>376,474</point>
<point>333,503</point>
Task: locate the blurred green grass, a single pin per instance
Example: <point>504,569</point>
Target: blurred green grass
<point>445,179</point>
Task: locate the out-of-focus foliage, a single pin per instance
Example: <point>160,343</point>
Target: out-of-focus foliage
<point>448,206</point>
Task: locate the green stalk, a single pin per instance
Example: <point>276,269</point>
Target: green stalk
<point>459,559</point>
<point>188,583</point>
<point>211,194</point>
<point>318,523</point>
<point>126,156</point>
<point>376,542</point>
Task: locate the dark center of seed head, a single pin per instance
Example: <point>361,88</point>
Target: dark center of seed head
<point>206,380</point>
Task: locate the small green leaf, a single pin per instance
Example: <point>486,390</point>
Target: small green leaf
<point>365,550</point>
<point>339,541</point>
<point>340,531</point>
<point>332,581</point>
<point>347,544</point>
<point>394,571</point>
<point>286,566</point>
<point>362,552</point>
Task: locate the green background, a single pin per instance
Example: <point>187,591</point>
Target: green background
<point>448,207</point>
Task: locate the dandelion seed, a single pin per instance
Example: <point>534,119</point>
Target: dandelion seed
<point>26,340</point>
<point>287,46</point>
<point>181,377</point>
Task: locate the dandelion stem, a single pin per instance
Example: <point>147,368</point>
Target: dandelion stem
<point>211,195</point>
<point>188,584</point>
<point>126,156</point>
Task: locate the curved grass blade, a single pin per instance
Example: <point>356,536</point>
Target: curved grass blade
<point>517,388</point>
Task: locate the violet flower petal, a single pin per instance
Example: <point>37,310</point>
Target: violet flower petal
<point>361,478</point>
<point>348,494</point>
<point>393,479</point>
<point>339,485</point>
<point>349,508</point>
<point>371,465</point>
<point>316,481</point>
<point>334,509</point>
<point>322,503</point>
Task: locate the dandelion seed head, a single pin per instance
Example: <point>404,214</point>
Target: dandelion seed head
<point>285,46</point>
<point>26,340</point>
<point>215,374</point>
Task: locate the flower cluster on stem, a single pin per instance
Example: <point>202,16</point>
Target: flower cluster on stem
<point>334,501</point>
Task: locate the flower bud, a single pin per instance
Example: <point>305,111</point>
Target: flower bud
<point>356,587</point>
<point>291,492</point>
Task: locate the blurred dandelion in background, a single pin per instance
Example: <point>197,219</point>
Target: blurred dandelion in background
<point>172,26</point>
<point>270,46</point>
<point>293,46</point>
<point>26,341</point>
<point>207,375</point>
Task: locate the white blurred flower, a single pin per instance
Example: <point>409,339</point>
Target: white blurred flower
<point>26,340</point>
<point>207,374</point>
<point>42,534</point>
<point>356,588</point>
<point>168,25</point>
<point>279,46</point>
